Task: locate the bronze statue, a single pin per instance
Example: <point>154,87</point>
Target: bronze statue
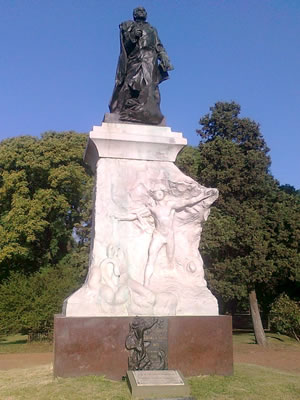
<point>143,65</point>
<point>135,342</point>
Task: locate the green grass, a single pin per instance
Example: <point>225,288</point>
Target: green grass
<point>38,383</point>
<point>248,383</point>
<point>18,344</point>
<point>272,339</point>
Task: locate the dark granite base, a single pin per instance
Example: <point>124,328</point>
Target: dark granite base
<point>96,345</point>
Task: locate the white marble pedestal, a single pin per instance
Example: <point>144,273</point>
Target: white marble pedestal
<point>147,224</point>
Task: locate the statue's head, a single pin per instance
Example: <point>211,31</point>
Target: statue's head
<point>158,192</point>
<point>139,14</point>
<point>158,195</point>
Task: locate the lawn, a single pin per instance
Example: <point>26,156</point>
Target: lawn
<point>18,344</point>
<point>272,339</point>
<point>249,382</point>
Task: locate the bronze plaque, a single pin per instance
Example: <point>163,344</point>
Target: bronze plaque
<point>157,378</point>
<point>147,342</point>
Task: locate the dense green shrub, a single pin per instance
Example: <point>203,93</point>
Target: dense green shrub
<point>285,316</point>
<point>28,303</point>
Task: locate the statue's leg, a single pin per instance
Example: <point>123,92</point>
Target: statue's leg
<point>170,250</point>
<point>156,244</point>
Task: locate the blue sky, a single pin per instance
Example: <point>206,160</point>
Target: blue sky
<point>58,60</point>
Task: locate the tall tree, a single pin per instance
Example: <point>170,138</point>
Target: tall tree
<point>44,191</point>
<point>234,158</point>
<point>283,225</point>
<point>188,161</point>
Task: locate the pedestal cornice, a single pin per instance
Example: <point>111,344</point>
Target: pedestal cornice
<point>133,141</point>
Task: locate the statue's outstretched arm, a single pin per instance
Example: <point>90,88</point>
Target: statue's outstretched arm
<point>178,205</point>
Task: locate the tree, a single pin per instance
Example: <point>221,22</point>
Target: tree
<point>44,191</point>
<point>286,316</point>
<point>290,190</point>
<point>188,161</point>
<point>234,158</point>
<point>283,225</point>
<point>45,218</point>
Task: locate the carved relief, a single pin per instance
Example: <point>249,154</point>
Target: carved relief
<point>145,258</point>
<point>147,343</point>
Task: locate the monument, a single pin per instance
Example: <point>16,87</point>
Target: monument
<point>143,64</point>
<point>147,223</point>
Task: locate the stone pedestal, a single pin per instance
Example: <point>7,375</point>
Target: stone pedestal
<point>96,345</point>
<point>147,224</point>
<point>144,261</point>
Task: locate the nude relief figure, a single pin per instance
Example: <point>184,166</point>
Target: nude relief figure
<point>162,208</point>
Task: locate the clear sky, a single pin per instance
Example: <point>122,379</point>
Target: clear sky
<point>58,60</point>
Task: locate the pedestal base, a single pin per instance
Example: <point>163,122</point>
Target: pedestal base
<point>96,345</point>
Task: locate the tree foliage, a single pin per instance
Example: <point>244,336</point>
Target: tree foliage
<point>28,303</point>
<point>44,191</point>
<point>45,216</point>
<point>188,161</point>
<point>234,158</point>
<point>285,316</point>
<point>224,122</point>
<point>251,240</point>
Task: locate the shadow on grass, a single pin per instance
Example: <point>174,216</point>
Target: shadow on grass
<point>245,336</point>
<point>248,337</point>
<point>8,342</point>
<point>275,337</point>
